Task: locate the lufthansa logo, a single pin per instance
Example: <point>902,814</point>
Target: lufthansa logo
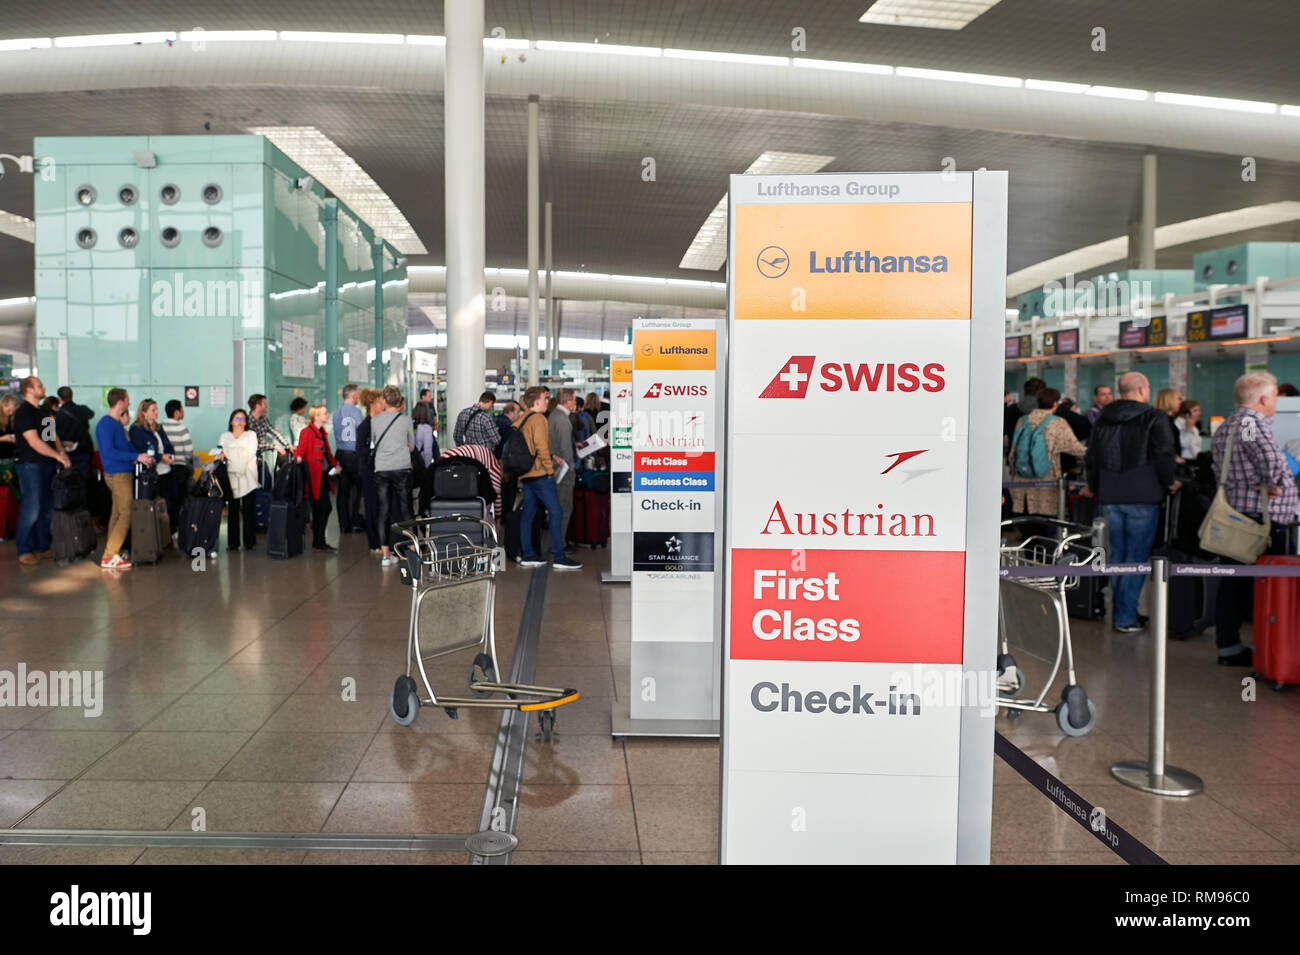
<point>647,349</point>
<point>773,262</point>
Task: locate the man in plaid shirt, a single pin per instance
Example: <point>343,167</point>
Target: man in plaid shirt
<point>1257,460</point>
<point>474,425</point>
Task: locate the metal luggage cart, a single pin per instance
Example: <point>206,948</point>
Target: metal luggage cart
<point>450,562</point>
<point>1032,612</point>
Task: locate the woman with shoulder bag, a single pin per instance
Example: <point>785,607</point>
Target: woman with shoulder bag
<point>239,453</point>
<point>314,449</point>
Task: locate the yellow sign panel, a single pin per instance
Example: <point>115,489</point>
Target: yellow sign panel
<point>853,261</point>
<point>672,349</point>
<point>620,369</point>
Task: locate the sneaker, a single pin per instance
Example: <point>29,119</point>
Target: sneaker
<point>116,562</point>
<point>28,559</point>
<point>1242,658</point>
<point>1136,627</point>
<point>532,562</point>
<point>387,561</point>
<point>566,563</point>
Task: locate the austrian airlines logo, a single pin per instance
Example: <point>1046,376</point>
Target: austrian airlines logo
<point>792,380</point>
<point>899,457</point>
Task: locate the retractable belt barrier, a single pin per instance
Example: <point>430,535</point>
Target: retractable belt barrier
<point>1175,570</point>
<point>1119,841</point>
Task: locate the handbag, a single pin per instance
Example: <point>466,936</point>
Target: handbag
<point>1228,532</point>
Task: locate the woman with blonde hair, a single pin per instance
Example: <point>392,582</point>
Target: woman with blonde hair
<point>8,442</point>
<point>1168,400</point>
<point>314,448</point>
<point>148,437</point>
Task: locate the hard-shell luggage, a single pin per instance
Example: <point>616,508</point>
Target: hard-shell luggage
<point>69,490</point>
<point>150,531</point>
<point>474,507</point>
<point>1192,600</point>
<point>1277,623</point>
<point>589,523</point>
<point>262,501</point>
<point>512,541</point>
<point>72,535</point>
<point>200,520</point>
<point>8,512</point>
<point>286,531</point>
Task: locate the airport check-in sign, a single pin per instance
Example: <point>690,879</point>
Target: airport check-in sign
<point>849,557</point>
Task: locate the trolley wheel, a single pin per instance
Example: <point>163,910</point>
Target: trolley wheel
<point>1067,727</point>
<point>481,670</point>
<point>405,702</point>
<point>1007,662</point>
<point>546,721</point>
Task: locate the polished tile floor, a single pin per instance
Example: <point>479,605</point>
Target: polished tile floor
<point>253,695</point>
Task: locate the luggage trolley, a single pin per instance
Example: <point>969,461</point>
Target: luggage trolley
<point>450,563</point>
<point>1031,608</point>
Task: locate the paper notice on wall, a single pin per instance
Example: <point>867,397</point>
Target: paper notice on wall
<point>217,396</point>
<point>298,346</point>
<point>358,366</point>
<point>1072,378</point>
<point>1178,371</point>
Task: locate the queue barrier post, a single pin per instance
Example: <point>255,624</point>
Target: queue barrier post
<point>1153,775</point>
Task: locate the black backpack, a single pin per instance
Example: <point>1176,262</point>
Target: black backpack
<point>516,457</point>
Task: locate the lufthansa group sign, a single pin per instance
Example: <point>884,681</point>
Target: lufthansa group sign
<point>866,314</point>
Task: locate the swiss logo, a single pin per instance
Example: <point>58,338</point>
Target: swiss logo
<point>792,380</point>
<point>660,390</point>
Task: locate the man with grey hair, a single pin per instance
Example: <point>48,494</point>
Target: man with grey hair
<point>560,430</point>
<point>1257,462</point>
<point>1129,467</point>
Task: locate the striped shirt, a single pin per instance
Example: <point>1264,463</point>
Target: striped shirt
<point>1256,459</point>
<point>182,442</point>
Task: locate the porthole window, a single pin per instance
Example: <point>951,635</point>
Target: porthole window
<point>170,194</point>
<point>212,237</point>
<point>128,238</point>
<point>87,238</point>
<point>212,193</point>
<point>128,195</point>
<point>1207,272</point>
<point>86,195</point>
<point>171,237</point>
<point>1232,267</point>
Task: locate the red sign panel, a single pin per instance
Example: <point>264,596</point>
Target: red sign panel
<point>674,461</point>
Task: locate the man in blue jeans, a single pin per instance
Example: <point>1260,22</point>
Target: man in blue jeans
<point>37,454</point>
<point>538,485</point>
<point>1129,468</point>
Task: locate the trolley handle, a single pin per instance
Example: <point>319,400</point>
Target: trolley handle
<point>411,528</point>
<point>1055,522</point>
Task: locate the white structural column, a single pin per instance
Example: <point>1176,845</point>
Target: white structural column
<point>1147,227</point>
<point>534,159</point>
<point>465,198</point>
<point>552,338</point>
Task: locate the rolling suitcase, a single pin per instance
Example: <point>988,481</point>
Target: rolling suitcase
<point>72,535</point>
<point>1192,600</point>
<point>474,507</point>
<point>589,523</point>
<point>286,531</point>
<point>8,512</point>
<point>200,521</point>
<point>1277,624</point>
<point>514,550</point>
<point>150,526</point>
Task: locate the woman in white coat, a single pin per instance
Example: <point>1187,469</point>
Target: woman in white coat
<point>239,452</point>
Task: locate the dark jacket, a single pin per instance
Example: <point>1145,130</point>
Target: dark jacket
<point>72,423</point>
<point>1130,458</point>
<point>363,451</point>
<point>142,439</point>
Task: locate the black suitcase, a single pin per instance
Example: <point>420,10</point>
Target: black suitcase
<point>286,532</point>
<point>72,535</point>
<point>513,544</point>
<point>200,521</point>
<point>1192,600</point>
<point>474,507</point>
<point>69,490</point>
<point>456,480</point>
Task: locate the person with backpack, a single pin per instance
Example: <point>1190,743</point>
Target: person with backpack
<point>526,454</point>
<point>1039,440</point>
<point>1129,468</point>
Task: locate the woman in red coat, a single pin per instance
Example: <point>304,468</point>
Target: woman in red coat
<point>314,448</point>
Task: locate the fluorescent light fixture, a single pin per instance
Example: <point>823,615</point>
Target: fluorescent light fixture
<point>1290,110</point>
<point>419,39</point>
<point>708,250</point>
<point>611,49</point>
<point>113,39</point>
<point>35,43</point>
<point>980,79</point>
<point>1116,92</point>
<point>1216,102</point>
<point>17,226</point>
<point>21,300</point>
<point>1052,86</point>
<point>340,174</point>
<point>503,43</point>
<point>843,66</point>
<point>932,14</point>
<point>302,36</point>
<point>227,36</point>
<point>752,58</point>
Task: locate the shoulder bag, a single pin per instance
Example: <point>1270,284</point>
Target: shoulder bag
<point>1228,532</point>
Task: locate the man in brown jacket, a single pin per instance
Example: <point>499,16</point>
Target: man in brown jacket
<point>538,485</point>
